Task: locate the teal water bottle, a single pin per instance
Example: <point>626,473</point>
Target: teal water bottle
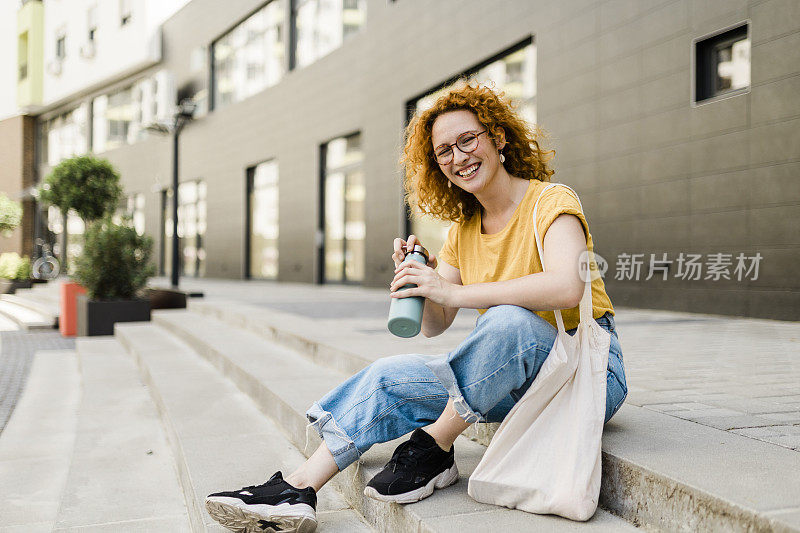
<point>405,314</point>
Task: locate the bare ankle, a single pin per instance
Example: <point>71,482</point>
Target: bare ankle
<point>443,444</point>
<point>297,480</point>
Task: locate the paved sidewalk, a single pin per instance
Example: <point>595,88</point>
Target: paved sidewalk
<point>740,375</point>
<point>16,355</point>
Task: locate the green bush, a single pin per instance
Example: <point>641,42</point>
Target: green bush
<point>86,184</point>
<point>115,262</point>
<point>12,266</point>
<point>10,215</point>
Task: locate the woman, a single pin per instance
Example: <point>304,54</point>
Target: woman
<point>471,160</point>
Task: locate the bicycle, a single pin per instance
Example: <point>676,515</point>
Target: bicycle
<point>46,266</point>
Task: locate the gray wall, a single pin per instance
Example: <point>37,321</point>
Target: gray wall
<point>655,174</point>
<point>659,175</point>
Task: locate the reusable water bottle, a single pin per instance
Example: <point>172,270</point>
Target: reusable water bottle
<point>405,314</point>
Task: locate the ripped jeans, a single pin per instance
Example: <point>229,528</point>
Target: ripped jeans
<point>486,375</point>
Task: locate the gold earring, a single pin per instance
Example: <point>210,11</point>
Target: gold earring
<point>449,184</point>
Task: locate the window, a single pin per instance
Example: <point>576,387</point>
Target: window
<point>91,23</point>
<point>322,25</point>
<point>64,135</point>
<point>75,230</point>
<point>113,119</point>
<point>722,64</point>
<point>135,210</point>
<point>191,228</point>
<point>131,210</point>
<point>250,57</point>
<point>513,72</point>
<point>120,117</point>
<point>22,56</point>
<point>262,202</point>
<point>343,193</point>
<point>124,12</point>
<point>61,46</point>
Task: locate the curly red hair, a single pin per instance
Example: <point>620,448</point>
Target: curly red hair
<point>425,184</point>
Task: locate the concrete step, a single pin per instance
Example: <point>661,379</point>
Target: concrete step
<point>45,308</point>
<point>47,291</point>
<point>122,474</point>
<point>284,384</point>
<point>345,350</point>
<point>37,442</point>
<point>325,342</point>
<point>727,482</point>
<point>25,317</point>
<point>219,438</point>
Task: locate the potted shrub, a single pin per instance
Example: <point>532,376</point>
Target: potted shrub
<point>113,267</point>
<point>89,186</point>
<point>15,272</point>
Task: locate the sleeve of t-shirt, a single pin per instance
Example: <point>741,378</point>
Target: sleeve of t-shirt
<point>449,251</point>
<point>557,201</point>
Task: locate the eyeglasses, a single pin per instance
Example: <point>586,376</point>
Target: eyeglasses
<point>467,142</point>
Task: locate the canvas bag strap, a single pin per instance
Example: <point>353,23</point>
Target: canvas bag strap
<point>585,308</point>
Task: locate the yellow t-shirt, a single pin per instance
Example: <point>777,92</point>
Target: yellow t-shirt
<point>511,253</point>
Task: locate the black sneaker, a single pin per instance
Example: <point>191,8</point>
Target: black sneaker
<point>274,506</point>
<point>417,467</point>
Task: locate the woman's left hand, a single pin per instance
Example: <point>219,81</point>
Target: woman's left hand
<point>429,283</point>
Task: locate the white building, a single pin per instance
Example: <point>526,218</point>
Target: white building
<point>89,45</point>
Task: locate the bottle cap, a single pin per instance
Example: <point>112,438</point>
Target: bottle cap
<point>419,249</point>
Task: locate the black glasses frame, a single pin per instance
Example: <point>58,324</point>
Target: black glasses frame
<point>450,146</point>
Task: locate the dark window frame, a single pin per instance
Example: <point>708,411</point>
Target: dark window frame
<point>294,6</point>
<point>250,173</point>
<point>166,211</point>
<point>705,63</point>
<point>323,157</point>
<point>91,23</point>
<point>212,82</point>
<point>61,46</point>
<point>125,12</point>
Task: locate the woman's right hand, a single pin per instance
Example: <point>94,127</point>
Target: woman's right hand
<point>399,251</point>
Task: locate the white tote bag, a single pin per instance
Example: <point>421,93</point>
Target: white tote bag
<point>546,456</point>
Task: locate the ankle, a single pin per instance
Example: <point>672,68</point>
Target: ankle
<point>297,480</point>
<point>443,443</point>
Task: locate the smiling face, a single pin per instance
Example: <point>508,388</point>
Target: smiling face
<point>471,171</point>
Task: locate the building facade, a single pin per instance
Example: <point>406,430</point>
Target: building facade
<point>677,122</point>
<point>66,51</point>
<point>16,177</point>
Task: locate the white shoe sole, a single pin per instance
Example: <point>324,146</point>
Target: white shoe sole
<point>236,515</point>
<point>445,479</point>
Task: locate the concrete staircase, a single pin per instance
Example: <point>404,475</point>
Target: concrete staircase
<point>85,450</point>
<point>659,472</point>
<point>34,308</point>
<point>21,312</point>
<point>213,398</point>
<point>208,416</point>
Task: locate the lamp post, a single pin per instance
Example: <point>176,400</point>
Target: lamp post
<point>183,115</point>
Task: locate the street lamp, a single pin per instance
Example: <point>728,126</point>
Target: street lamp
<point>183,115</point>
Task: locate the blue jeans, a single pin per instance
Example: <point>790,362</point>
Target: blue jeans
<point>485,375</point>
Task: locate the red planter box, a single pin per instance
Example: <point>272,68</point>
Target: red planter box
<point>68,320</point>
